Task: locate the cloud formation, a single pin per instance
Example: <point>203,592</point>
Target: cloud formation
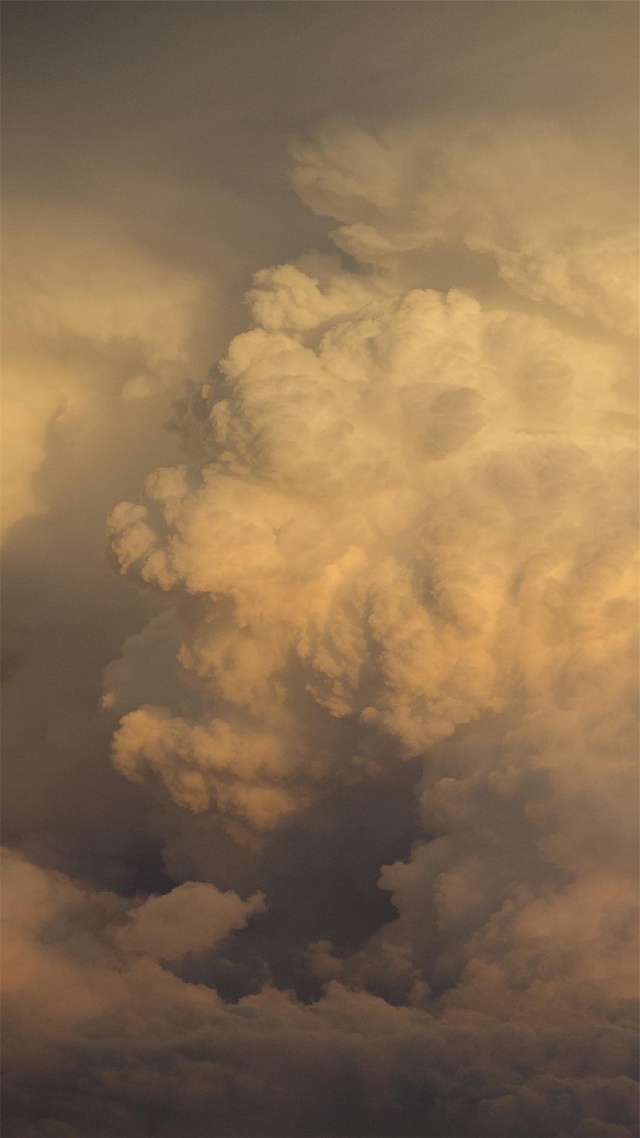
<point>158,1053</point>
<point>88,321</point>
<point>379,731</point>
<point>518,194</point>
<point>410,507</point>
<point>410,533</point>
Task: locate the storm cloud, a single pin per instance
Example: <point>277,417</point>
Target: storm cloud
<point>321,664</point>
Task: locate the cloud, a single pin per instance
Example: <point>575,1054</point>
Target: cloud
<point>154,1050</point>
<point>98,334</point>
<point>93,325</point>
<point>410,534</point>
<point>520,193</point>
<point>396,583</point>
<point>400,512</point>
<point>194,916</point>
<point>350,847</point>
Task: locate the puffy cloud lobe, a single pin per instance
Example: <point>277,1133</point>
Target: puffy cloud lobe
<point>191,918</point>
<point>52,924</point>
<point>152,737</point>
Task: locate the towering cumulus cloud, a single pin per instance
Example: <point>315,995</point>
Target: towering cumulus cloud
<point>402,540</point>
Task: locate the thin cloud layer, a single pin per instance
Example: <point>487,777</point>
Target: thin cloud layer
<point>88,321</point>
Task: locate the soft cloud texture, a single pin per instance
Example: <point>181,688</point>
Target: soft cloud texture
<point>82,305</point>
<point>415,510</point>
<point>369,660</point>
<point>162,1054</point>
<point>424,503</point>
<point>518,194</point>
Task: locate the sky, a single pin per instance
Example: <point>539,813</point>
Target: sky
<point>319,581</point>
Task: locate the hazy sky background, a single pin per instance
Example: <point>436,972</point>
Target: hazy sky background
<point>363,654</point>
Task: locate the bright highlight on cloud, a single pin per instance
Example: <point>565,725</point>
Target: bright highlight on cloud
<point>403,539</point>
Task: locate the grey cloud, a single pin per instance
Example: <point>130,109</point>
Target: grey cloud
<point>158,1055</point>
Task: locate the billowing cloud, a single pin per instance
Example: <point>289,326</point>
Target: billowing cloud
<point>410,533</point>
<point>519,194</point>
<point>194,916</point>
<point>410,508</point>
<point>159,1051</point>
<point>379,733</point>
